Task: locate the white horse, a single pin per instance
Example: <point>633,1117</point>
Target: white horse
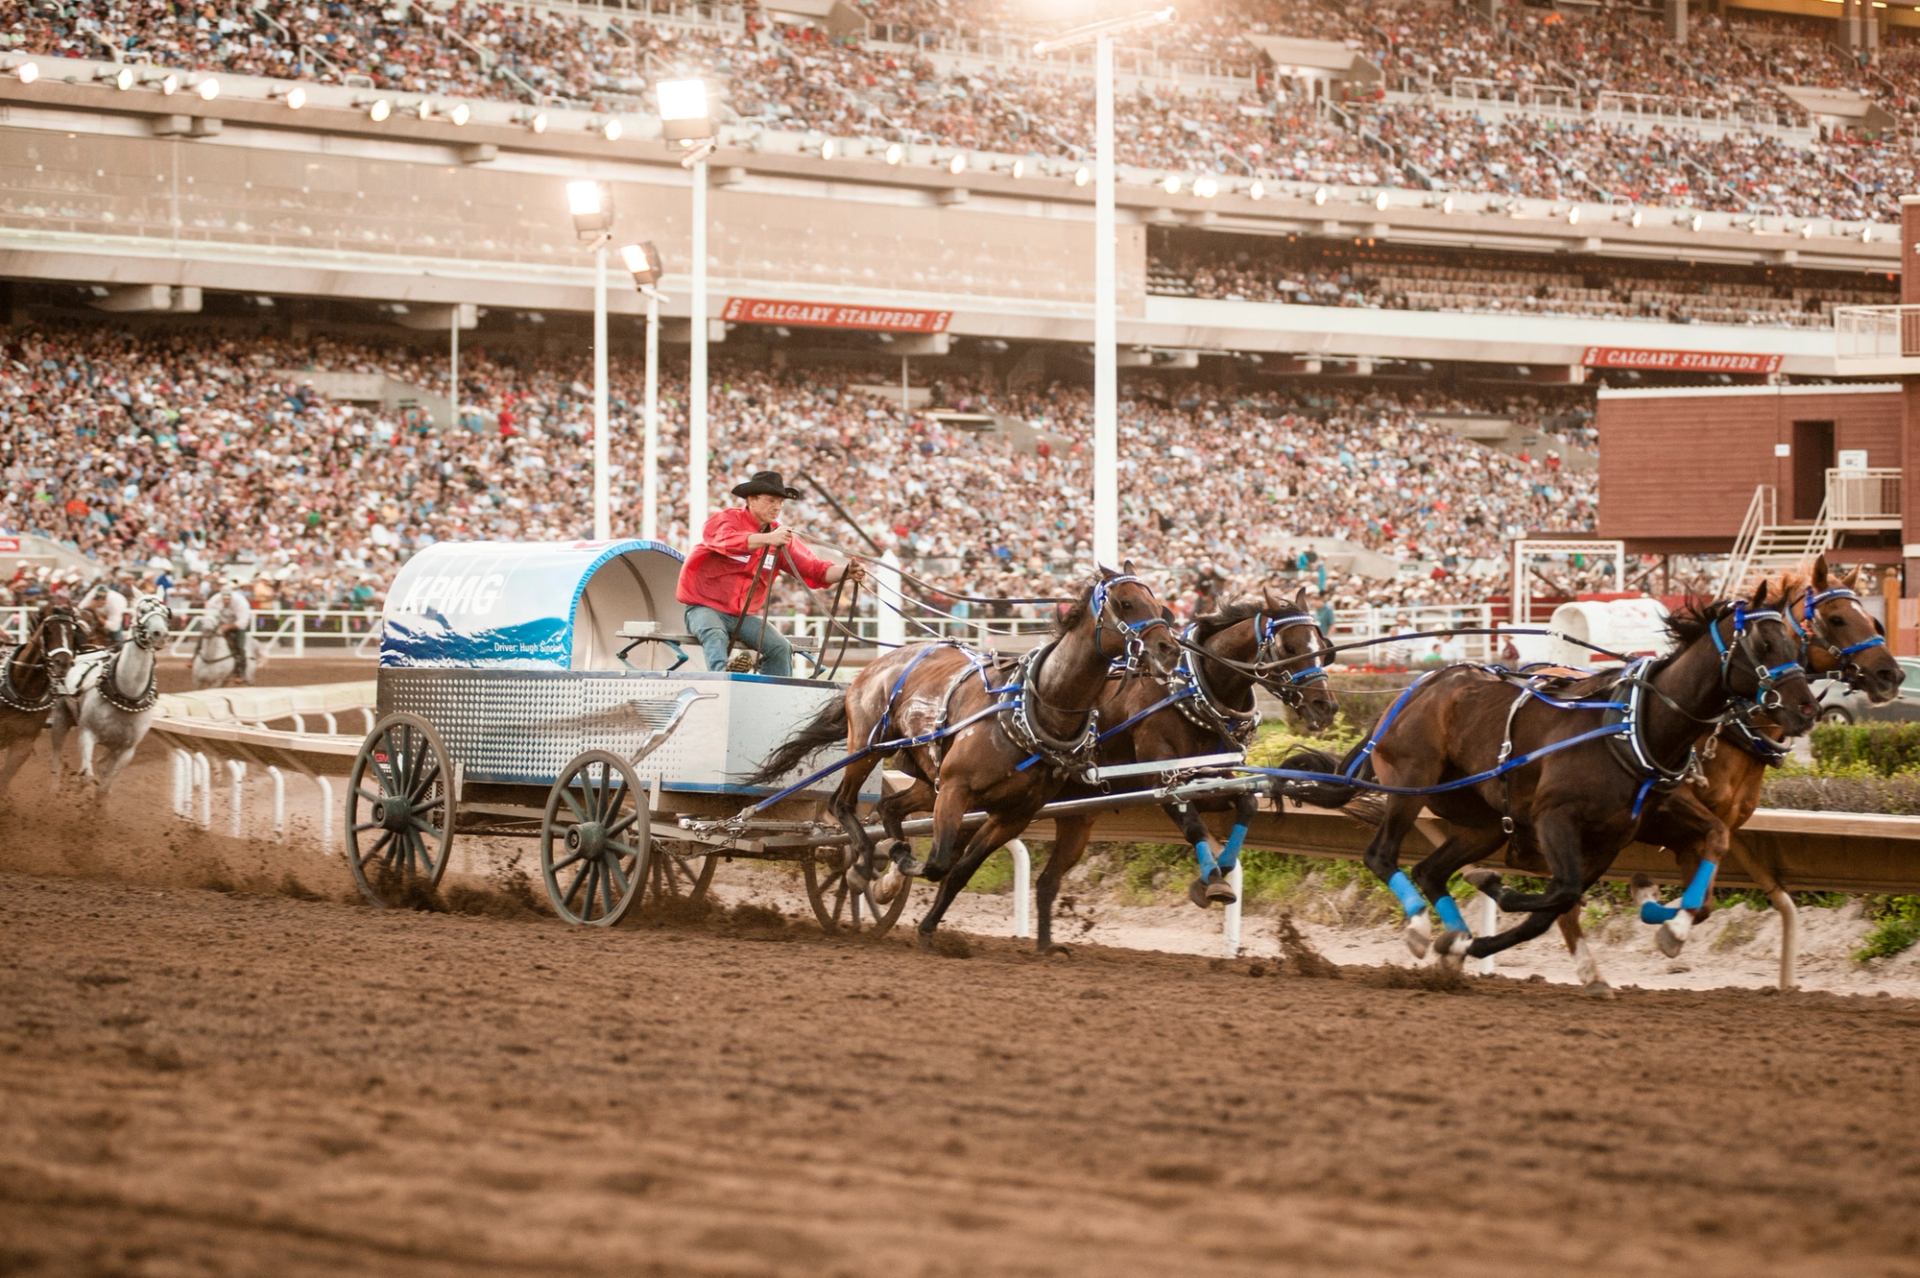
<point>213,661</point>
<point>109,696</point>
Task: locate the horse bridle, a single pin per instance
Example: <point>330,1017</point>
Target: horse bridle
<point>1100,604</point>
<point>1814,623</point>
<point>1766,695</point>
<point>145,609</point>
<point>1287,684</point>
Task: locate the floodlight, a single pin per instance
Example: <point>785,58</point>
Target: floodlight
<point>1696,223</point>
<point>1256,189</point>
<point>591,205</point>
<point>1866,233</point>
<point>1635,219</point>
<point>121,79</point>
<point>1380,202</point>
<point>1018,169</point>
<point>643,261</point>
<point>684,112</point>
<point>895,153</point>
<point>1082,175</point>
<point>610,130</point>
<point>535,120</point>
<point>1320,195</point>
<point>1170,184</point>
<point>378,109</point>
<point>460,114</point>
<point>1205,187</point>
<point>829,148</point>
<point>1806,231</point>
<point>27,71</point>
<point>1446,204</point>
<point>294,95</point>
<point>1573,216</point>
<point>208,89</point>
<point>168,82</point>
<point>958,164</point>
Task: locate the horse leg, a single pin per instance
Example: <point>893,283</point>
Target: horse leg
<point>110,767</point>
<point>845,807</point>
<point>1557,835</point>
<point>1701,848</point>
<point>1584,967</point>
<point>1195,832</point>
<point>1070,837</point>
<point>1383,858</point>
<point>1463,847</point>
<point>892,811</point>
<point>58,725</point>
<point>988,837</point>
<point>18,750</point>
<point>1783,905</point>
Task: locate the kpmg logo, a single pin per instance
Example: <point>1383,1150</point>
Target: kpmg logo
<point>465,594</point>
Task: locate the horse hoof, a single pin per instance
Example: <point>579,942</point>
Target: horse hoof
<point>1055,951</point>
<point>923,941</point>
<point>1419,936</point>
<point>1598,989</point>
<point>1486,882</point>
<point>889,885</point>
<point>1451,948</point>
<point>1668,943</point>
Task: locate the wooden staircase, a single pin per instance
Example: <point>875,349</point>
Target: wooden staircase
<point>1766,547</point>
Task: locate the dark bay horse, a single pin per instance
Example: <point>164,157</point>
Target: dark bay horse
<point>28,674</point>
<point>1581,803</point>
<point>1206,707</point>
<point>1838,637</point>
<point>978,735</point>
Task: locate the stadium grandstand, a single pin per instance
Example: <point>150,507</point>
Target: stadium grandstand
<point>293,287</point>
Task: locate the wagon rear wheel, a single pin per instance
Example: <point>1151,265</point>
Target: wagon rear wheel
<point>400,808</point>
<point>839,907</point>
<point>678,875</point>
<point>595,840</point>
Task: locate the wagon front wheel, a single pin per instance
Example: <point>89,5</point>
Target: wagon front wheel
<point>839,907</point>
<point>678,875</point>
<point>400,806</point>
<point>595,841</point>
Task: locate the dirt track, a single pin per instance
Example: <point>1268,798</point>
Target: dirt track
<point>200,1081</point>
<point>253,1081</point>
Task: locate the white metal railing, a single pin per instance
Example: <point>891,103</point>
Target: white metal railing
<point>1375,623</point>
<point>283,632</point>
<point>1762,509</point>
<point>1540,97</point>
<point>1666,108</point>
<point>1876,332</point>
<point>1867,498</point>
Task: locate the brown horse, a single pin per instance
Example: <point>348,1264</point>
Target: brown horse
<point>1206,707</point>
<point>978,735</point>
<point>1570,775</point>
<point>1838,637</point>
<point>28,674</point>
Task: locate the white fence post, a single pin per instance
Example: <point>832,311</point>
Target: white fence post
<point>203,789</point>
<point>279,800</point>
<point>1230,925</point>
<point>1022,887</point>
<point>236,795</point>
<point>326,813</point>
<point>182,784</point>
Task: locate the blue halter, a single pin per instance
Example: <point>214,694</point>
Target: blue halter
<point>1285,684</point>
<point>1810,611</point>
<point>1766,696</point>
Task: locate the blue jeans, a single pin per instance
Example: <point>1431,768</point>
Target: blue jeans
<point>714,629</point>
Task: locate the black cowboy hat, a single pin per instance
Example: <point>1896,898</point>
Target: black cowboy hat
<point>766,483</point>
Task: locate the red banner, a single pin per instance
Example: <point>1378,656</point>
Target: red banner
<point>882,319</point>
<point>9,545</point>
<point>1654,361</point>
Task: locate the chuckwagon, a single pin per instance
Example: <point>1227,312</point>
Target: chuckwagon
<point>546,690</point>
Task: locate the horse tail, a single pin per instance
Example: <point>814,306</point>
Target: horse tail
<point>824,729</point>
<point>1328,794</point>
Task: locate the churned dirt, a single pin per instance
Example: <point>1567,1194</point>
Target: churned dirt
<point>213,1062</point>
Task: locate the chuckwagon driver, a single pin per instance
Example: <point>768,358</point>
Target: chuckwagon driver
<point>725,581</point>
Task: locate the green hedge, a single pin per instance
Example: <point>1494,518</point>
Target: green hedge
<point>1884,749</point>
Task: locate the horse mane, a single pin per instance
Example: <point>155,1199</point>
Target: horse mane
<point>1690,622</point>
<point>1076,614</point>
<point>1210,624</point>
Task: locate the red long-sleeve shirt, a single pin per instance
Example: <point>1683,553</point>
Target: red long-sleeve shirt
<point>723,569</point>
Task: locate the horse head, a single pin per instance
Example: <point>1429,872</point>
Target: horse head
<point>1760,660</point>
<point>1842,638</point>
<point>58,635</point>
<point>1128,622</point>
<point>1290,658</point>
<point>151,618</point>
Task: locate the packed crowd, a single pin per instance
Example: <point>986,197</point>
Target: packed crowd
<point>192,452</point>
<point>905,87</point>
<point>1237,269</point>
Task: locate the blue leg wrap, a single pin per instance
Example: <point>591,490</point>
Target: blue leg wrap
<point>1692,899</point>
<point>1230,855</point>
<point>1410,899</point>
<point>1696,894</point>
<point>1205,856</point>
<point>1449,911</point>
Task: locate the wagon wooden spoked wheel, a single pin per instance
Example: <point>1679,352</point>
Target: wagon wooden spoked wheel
<point>678,874</point>
<point>400,806</point>
<point>595,841</point>
<point>839,907</point>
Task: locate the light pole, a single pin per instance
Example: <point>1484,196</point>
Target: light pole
<point>591,204</point>
<point>686,119</point>
<point>643,260</point>
<point>1106,366</point>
